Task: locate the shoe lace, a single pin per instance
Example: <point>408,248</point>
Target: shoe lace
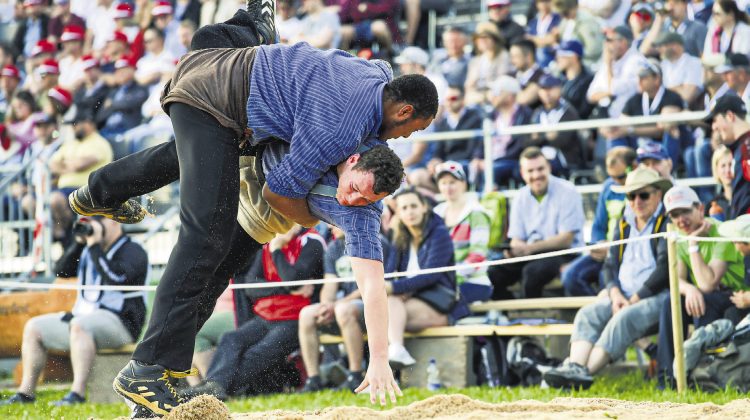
<point>176,374</point>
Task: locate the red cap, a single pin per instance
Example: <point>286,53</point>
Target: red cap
<point>162,8</point>
<point>49,66</point>
<point>118,36</point>
<point>61,95</point>
<point>89,62</point>
<point>72,33</point>
<point>123,11</point>
<point>10,71</point>
<point>27,3</point>
<point>125,61</point>
<point>43,47</point>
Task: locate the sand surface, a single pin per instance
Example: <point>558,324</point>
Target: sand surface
<point>462,407</point>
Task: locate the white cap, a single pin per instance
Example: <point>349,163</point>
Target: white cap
<point>505,84</point>
<point>680,197</point>
<point>737,228</point>
<point>413,55</point>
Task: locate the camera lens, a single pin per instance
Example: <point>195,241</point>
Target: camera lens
<point>82,229</point>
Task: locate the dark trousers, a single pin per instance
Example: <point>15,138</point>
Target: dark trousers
<point>533,275</point>
<point>211,245</point>
<point>717,303</point>
<point>254,349</point>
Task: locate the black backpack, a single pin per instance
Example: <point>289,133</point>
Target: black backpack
<point>725,365</point>
<point>515,361</point>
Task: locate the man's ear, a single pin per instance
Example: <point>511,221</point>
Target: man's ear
<point>405,112</point>
<point>353,159</point>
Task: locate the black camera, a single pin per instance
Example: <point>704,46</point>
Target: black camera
<point>82,228</point>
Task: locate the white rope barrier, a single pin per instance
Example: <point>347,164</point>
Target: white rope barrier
<point>436,270</point>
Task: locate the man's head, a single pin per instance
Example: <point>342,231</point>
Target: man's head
<point>10,78</point>
<point>185,33</point>
<point>641,17</point>
<point>413,60</point>
<point>153,39</point>
<point>369,177</point>
<point>410,103</point>
<point>498,10</point>
<point>550,90</point>
<point>649,78</point>
<point>117,44</point>
<point>124,70</point>
<point>727,117</point>
<point>735,71</point>
<point>91,69</point>
<point>565,7</point>
<point>569,55</point>
<point>535,170</point>
<point>618,41</point>
<point>738,228</point>
<point>677,9</point>
<point>454,99</point>
<point>34,8</point>
<point>684,208</point>
<point>620,161</point>
<point>652,155</point>
<point>671,45</point>
<point>503,92</point>
<point>451,180</point>
<point>83,123</point>
<point>72,39</point>
<point>522,54</point>
<point>454,41</point>
<point>643,190</point>
<point>162,14</point>
<point>60,100</point>
<point>49,73</point>
<point>61,8</point>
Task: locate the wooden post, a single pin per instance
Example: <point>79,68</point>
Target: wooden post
<point>676,305</point>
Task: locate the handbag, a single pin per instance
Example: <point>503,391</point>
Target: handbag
<point>439,297</point>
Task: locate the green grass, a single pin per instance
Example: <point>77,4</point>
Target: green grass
<point>628,387</point>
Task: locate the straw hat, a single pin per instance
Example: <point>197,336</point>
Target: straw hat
<point>642,177</point>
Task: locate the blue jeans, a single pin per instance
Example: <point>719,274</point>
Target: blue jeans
<point>716,304</point>
<point>472,292</point>
<point>676,146</point>
<point>580,274</point>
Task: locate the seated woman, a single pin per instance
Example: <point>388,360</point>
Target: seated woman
<point>469,227</point>
<point>420,241</point>
<point>722,165</point>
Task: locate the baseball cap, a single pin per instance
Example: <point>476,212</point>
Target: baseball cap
<point>680,197</point>
<point>89,62</point>
<point>649,68</point>
<point>450,167</point>
<point>10,70</point>
<point>498,3</point>
<point>43,47</point>
<point>622,31</point>
<point>731,62</point>
<point>413,55</point>
<point>667,37</point>
<point>505,84</point>
<point>570,47</point>
<point>652,150</point>
<point>549,81</point>
<point>728,102</point>
<point>61,95</point>
<point>44,119</point>
<point>48,66</point>
<point>72,33</point>
<point>739,227</point>
<point>123,11</point>
<point>162,8</point>
<point>644,11</point>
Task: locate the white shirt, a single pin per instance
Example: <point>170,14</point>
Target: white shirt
<point>624,80</point>
<point>155,63</point>
<point>686,70</point>
<point>740,39</point>
<point>101,22</point>
<point>413,264</point>
<point>71,72</point>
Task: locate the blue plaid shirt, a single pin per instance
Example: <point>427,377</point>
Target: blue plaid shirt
<point>361,225</point>
<point>321,103</point>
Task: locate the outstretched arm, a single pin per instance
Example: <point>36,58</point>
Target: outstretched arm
<point>369,275</point>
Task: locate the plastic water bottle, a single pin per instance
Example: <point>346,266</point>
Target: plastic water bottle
<point>433,376</point>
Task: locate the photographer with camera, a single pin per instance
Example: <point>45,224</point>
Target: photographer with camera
<point>100,255</point>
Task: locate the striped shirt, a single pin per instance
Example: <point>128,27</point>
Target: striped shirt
<point>322,103</point>
<point>361,224</point>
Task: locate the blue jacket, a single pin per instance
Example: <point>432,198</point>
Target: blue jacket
<point>436,250</point>
<point>609,208</point>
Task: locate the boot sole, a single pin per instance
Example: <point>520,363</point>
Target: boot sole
<point>82,210</point>
<point>557,381</point>
<point>138,399</point>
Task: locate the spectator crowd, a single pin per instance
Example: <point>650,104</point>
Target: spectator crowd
<point>80,83</point>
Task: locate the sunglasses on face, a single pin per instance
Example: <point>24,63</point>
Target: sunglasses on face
<point>677,213</point>
<point>643,195</point>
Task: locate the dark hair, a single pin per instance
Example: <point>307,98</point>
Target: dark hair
<point>27,97</point>
<point>385,166</point>
<point>730,8</point>
<point>158,32</point>
<point>417,91</point>
<point>531,152</point>
<point>526,45</point>
<point>624,154</point>
<point>401,235</point>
